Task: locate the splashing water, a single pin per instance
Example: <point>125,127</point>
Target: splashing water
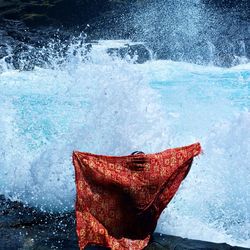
<point>108,105</point>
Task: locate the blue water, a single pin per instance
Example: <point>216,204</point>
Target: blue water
<point>110,105</point>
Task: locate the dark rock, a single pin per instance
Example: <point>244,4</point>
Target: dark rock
<point>66,12</point>
<point>24,47</point>
<point>229,4</point>
<point>137,52</point>
<point>23,227</point>
<point>3,50</point>
<point>177,243</point>
<point>246,46</point>
<point>162,27</point>
<point>208,32</point>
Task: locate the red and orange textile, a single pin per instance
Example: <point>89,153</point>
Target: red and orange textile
<point>120,198</point>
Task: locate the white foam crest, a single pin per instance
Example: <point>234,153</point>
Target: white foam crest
<point>214,201</point>
<point>103,105</point>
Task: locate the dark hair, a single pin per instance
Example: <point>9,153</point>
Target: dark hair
<point>137,153</point>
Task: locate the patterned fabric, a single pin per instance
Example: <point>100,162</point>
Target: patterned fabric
<point>120,198</point>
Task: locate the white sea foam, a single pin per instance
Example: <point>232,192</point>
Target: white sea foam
<point>110,105</point>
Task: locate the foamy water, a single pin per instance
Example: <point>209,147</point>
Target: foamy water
<point>109,105</point>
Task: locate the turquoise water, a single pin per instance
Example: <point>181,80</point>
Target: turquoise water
<point>110,105</point>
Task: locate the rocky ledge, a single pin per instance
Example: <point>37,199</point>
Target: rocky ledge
<point>26,228</point>
<point>60,12</point>
<point>208,32</point>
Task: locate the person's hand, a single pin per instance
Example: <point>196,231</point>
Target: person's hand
<point>137,163</point>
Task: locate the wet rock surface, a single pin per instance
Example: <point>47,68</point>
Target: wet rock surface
<point>24,48</point>
<point>208,33</point>
<point>22,227</point>
<point>43,12</point>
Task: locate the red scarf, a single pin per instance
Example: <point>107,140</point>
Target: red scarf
<point>120,198</point>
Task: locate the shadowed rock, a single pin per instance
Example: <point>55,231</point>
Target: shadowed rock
<point>203,32</point>
<point>22,227</point>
